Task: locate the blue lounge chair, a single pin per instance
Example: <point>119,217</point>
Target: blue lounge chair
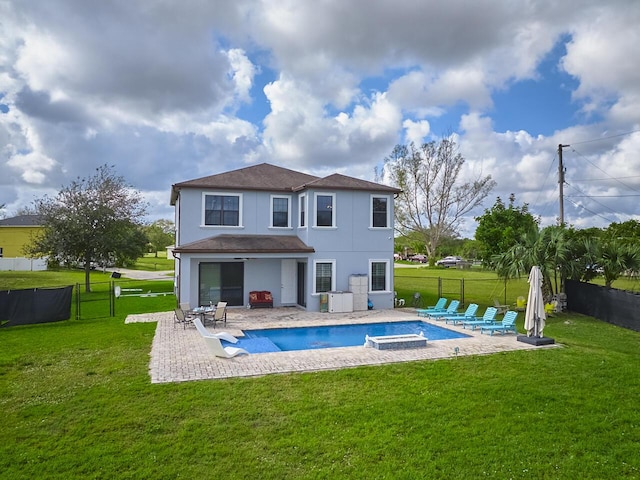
<point>452,309</point>
<point>469,314</point>
<point>489,318</point>
<point>438,307</point>
<point>508,324</point>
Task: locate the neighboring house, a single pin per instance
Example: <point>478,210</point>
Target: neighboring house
<point>270,228</point>
<point>16,233</point>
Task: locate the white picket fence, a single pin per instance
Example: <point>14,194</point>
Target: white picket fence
<point>23,264</point>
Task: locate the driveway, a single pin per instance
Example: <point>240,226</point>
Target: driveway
<point>143,274</point>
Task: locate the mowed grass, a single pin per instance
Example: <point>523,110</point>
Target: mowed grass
<point>151,262</point>
<point>475,285</point>
<point>478,285</point>
<point>77,402</point>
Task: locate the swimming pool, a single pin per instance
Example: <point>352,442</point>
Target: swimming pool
<point>332,336</point>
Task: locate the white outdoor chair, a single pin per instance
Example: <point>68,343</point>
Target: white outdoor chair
<point>206,333</point>
<point>215,345</point>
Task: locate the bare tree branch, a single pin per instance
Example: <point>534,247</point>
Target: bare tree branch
<point>433,201</point>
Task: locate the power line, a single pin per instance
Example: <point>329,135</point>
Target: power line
<point>561,179</point>
<point>541,189</point>
<point>596,166</point>
<point>601,179</point>
<point>591,212</point>
<point>606,196</point>
<point>605,138</point>
<point>595,201</point>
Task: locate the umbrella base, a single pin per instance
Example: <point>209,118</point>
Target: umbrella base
<point>537,341</point>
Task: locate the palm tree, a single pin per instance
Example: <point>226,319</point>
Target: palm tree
<point>551,249</point>
<point>615,258</point>
<point>562,254</point>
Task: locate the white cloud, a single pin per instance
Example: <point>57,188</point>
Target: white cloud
<point>157,89</point>
<point>416,132</point>
<point>601,54</point>
<point>33,167</point>
<point>243,72</point>
<point>300,132</point>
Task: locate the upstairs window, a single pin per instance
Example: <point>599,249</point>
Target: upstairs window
<point>222,210</point>
<point>280,214</point>
<point>325,211</point>
<point>302,208</point>
<point>380,211</point>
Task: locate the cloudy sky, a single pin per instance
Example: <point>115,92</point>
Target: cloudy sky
<point>168,91</point>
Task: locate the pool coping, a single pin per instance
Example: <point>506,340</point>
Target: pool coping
<point>179,355</point>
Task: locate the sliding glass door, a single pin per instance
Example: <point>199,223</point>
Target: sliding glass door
<point>221,282</point>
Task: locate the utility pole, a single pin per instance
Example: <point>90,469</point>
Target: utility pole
<point>561,182</point>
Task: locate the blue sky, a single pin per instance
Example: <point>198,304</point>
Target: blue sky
<point>541,105</point>
<point>168,93</point>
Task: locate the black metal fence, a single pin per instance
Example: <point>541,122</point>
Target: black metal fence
<point>610,305</point>
<point>101,300</point>
<point>466,290</point>
<point>105,298</point>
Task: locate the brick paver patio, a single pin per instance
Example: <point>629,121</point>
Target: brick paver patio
<point>179,355</point>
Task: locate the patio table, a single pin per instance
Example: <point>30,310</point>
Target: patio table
<point>202,311</point>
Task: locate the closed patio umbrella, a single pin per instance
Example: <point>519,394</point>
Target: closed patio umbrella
<point>534,316</point>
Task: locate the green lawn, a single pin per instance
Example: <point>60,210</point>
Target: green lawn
<point>479,286</point>
<point>77,403</point>
<point>152,263</point>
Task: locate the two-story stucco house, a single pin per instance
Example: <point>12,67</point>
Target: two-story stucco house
<point>296,235</point>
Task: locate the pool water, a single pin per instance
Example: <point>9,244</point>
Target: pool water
<point>331,336</point>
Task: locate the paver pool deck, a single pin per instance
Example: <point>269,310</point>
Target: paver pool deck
<point>180,355</point>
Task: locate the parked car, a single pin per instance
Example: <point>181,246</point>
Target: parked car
<point>450,261</point>
<point>419,258</point>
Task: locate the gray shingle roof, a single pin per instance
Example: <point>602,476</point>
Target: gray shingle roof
<point>258,177</point>
<point>343,182</point>
<point>22,221</point>
<point>268,177</point>
<point>242,244</point>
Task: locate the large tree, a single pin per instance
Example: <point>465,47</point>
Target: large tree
<point>93,219</point>
<point>434,200</point>
<point>501,227</point>
<point>626,232</point>
<point>161,234</point>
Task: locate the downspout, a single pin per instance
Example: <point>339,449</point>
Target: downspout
<point>178,271</point>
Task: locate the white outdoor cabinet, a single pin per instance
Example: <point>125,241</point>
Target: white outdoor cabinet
<point>340,302</point>
<point>359,285</point>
